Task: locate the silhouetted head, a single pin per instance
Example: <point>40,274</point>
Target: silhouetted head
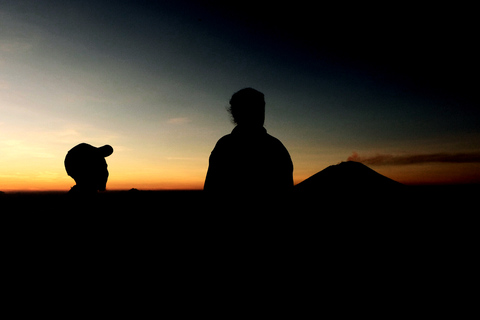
<point>247,107</point>
<point>87,166</point>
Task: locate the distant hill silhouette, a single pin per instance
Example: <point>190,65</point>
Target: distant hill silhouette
<point>347,176</point>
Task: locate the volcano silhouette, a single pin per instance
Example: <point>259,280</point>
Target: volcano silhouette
<point>347,176</point>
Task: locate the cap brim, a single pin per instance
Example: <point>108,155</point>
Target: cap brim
<point>106,150</point>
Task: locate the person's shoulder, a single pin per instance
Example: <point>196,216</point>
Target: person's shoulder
<point>276,146</point>
<point>274,141</point>
<point>222,146</point>
<point>225,140</point>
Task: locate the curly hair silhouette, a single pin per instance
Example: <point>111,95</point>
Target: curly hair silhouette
<point>249,159</point>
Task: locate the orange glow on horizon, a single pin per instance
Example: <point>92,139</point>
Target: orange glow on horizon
<point>193,179</point>
<point>433,173</point>
<point>19,186</point>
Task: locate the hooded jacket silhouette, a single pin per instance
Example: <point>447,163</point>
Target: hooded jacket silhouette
<point>249,159</point>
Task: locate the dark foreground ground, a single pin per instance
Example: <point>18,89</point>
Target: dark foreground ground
<point>350,253</point>
<point>348,216</point>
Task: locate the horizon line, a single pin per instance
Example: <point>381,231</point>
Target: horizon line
<point>10,191</point>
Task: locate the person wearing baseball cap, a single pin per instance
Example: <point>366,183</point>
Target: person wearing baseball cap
<point>87,166</point>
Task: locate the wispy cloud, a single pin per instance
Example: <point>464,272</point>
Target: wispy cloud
<point>179,120</point>
<point>389,159</point>
<point>4,85</point>
<point>15,47</point>
<point>18,148</point>
<point>182,158</point>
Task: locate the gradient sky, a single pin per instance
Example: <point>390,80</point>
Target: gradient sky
<point>153,79</point>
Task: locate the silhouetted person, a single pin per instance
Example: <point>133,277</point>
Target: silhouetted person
<point>249,159</point>
<point>87,166</point>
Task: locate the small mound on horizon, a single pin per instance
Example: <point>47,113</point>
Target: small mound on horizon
<point>349,175</point>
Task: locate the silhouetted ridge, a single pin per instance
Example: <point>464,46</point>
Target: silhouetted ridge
<point>346,176</point>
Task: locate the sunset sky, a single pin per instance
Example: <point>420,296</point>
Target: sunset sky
<point>393,87</point>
